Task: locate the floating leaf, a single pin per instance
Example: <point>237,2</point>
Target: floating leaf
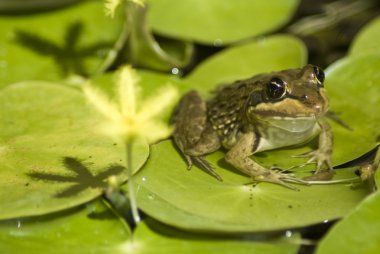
<point>194,200</point>
<point>353,86</point>
<point>366,42</point>
<point>154,237</point>
<point>50,154</point>
<point>90,229</point>
<point>263,55</point>
<point>95,229</point>
<point>358,232</point>
<point>56,44</point>
<point>218,22</point>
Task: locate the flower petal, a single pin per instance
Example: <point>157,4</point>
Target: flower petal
<point>127,91</point>
<point>155,105</point>
<point>110,7</point>
<point>101,102</point>
<point>155,130</point>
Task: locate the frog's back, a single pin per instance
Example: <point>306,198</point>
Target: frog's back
<point>226,109</point>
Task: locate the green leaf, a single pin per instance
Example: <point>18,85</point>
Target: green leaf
<point>154,237</point>
<point>246,60</point>
<point>354,92</point>
<point>194,200</point>
<point>51,155</point>
<point>358,232</point>
<point>56,44</point>
<point>90,229</point>
<point>366,42</point>
<point>218,22</point>
<point>95,229</point>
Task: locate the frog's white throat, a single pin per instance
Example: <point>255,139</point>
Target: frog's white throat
<point>292,124</point>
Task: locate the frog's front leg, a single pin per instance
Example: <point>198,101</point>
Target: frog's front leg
<point>238,156</point>
<point>322,155</point>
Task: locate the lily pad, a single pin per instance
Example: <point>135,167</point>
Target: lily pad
<point>94,229</point>
<point>366,42</point>
<point>194,200</point>
<point>55,44</point>
<point>90,229</point>
<point>263,55</point>
<point>218,22</point>
<point>353,85</point>
<point>154,237</point>
<point>358,232</point>
<point>51,155</point>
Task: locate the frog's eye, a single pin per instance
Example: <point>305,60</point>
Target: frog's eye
<point>276,88</point>
<point>319,74</point>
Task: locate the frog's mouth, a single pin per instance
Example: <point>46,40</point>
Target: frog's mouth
<point>293,124</point>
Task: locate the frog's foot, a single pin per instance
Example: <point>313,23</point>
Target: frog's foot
<point>202,163</point>
<point>319,157</point>
<point>366,172</point>
<point>281,179</point>
<point>322,175</point>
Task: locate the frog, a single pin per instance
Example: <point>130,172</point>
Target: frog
<point>264,112</point>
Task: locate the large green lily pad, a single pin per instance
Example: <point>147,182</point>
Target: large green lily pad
<point>55,44</point>
<point>353,85</point>
<point>196,200</point>
<point>244,61</point>
<point>154,237</point>
<point>95,229</point>
<point>366,42</point>
<point>358,232</point>
<point>90,229</point>
<point>51,155</point>
<point>218,22</point>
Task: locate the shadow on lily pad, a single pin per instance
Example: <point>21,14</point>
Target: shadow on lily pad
<point>69,56</point>
<point>82,180</point>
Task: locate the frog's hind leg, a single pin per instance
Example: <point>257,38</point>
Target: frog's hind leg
<point>208,143</point>
<point>193,134</point>
<point>200,162</point>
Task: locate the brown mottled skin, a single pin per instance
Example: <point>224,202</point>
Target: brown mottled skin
<point>264,112</point>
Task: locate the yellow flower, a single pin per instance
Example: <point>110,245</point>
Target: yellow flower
<point>126,119</point>
<point>111,5</point>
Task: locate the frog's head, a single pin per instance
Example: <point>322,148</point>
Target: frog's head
<point>289,95</point>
